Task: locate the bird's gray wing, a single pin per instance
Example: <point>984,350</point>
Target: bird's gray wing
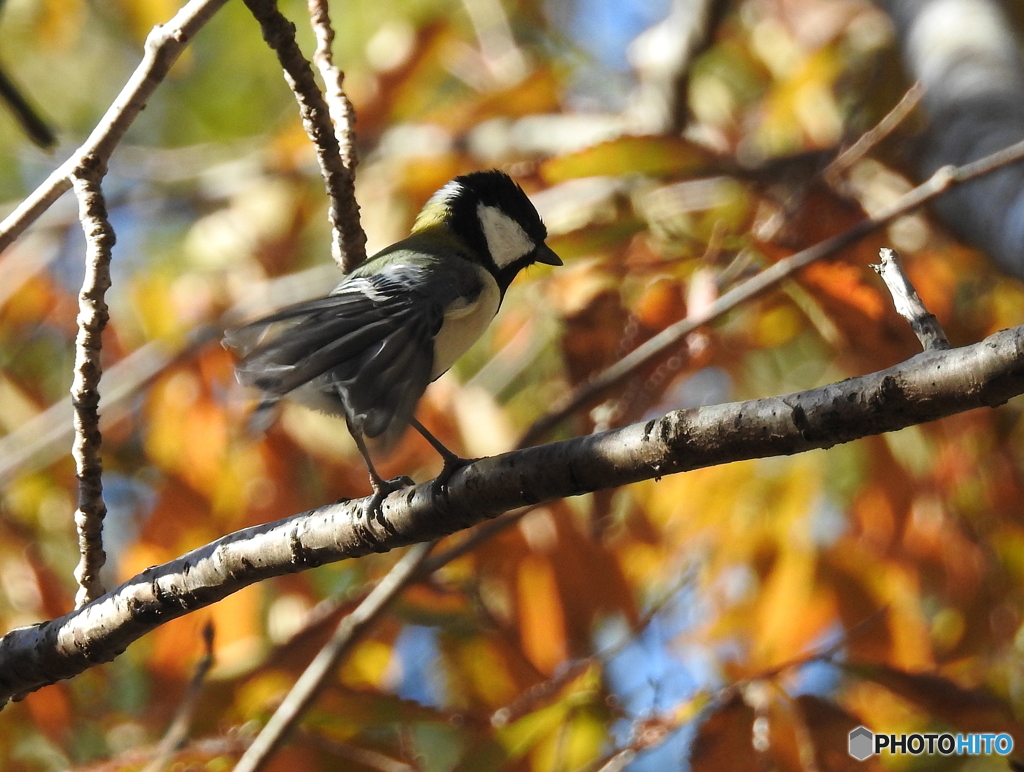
<point>365,349</point>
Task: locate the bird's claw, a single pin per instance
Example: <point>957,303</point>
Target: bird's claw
<point>452,464</point>
<point>373,509</point>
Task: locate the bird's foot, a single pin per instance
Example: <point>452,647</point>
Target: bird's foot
<point>373,509</point>
<point>452,461</point>
<point>452,464</point>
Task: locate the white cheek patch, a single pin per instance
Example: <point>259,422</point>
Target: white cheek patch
<point>506,239</point>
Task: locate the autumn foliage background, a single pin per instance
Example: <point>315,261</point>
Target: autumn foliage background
<point>738,616</point>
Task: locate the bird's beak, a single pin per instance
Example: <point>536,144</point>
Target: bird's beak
<point>546,255</point>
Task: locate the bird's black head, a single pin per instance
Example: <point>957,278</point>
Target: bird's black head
<point>492,215</point>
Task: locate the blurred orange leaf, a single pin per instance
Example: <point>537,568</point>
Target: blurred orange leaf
<point>541,615</point>
<point>661,304</point>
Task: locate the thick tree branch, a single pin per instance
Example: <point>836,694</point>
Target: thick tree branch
<point>163,46</point>
<point>85,393</point>
<point>928,386</point>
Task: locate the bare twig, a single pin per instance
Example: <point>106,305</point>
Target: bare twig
<point>363,757</point>
<point>824,653</point>
<point>163,46</point>
<point>618,761</point>
<point>343,116</point>
<point>279,33</point>
<point>908,305</point>
<point>869,139</point>
<point>528,701</point>
<point>648,732</point>
<point>941,181</point>
<point>350,631</point>
<point>85,395</point>
<point>177,732</point>
<point>34,126</point>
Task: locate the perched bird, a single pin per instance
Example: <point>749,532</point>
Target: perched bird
<point>368,350</point>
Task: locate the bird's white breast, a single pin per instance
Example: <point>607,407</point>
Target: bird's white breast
<point>464,323</point>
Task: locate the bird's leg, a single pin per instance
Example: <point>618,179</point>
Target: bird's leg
<point>381,488</point>
<point>452,461</point>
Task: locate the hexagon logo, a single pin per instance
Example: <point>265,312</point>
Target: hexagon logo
<point>862,742</point>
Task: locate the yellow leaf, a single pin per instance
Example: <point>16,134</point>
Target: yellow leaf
<point>368,665</point>
<point>484,665</point>
<point>653,156</point>
<point>791,612</point>
<point>572,743</point>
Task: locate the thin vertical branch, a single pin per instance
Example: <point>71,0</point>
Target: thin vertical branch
<point>350,631</point>
<point>346,249</point>
<point>279,33</point>
<point>342,112</point>
<point>85,396</point>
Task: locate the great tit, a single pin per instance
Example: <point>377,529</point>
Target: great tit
<point>367,351</point>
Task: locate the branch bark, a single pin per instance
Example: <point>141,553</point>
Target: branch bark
<point>342,112</point>
<point>85,388</point>
<point>348,246</point>
<point>908,303</point>
<point>279,34</point>
<point>930,385</point>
